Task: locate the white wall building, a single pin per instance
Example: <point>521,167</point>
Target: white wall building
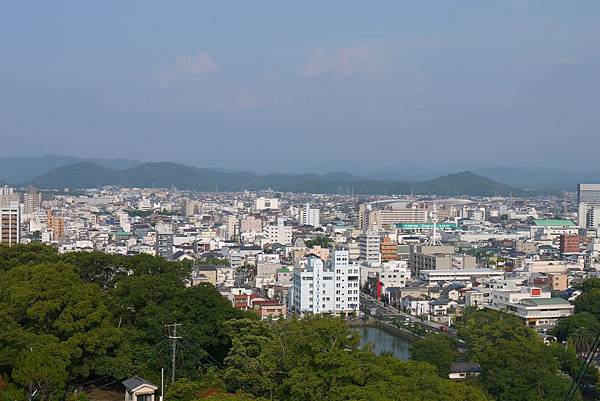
<point>369,245</point>
<point>310,216</point>
<point>278,233</point>
<point>320,287</point>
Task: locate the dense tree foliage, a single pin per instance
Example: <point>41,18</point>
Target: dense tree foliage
<point>589,300</point>
<point>517,365</point>
<point>66,320</point>
<point>319,240</point>
<point>319,358</point>
<point>439,350</point>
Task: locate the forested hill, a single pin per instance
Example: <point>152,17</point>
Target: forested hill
<point>167,175</point>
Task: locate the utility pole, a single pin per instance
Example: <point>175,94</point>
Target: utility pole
<point>162,384</point>
<point>173,337</point>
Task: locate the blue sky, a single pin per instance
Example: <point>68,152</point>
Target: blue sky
<point>304,86</point>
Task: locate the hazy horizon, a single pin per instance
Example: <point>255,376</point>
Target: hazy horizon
<point>273,87</point>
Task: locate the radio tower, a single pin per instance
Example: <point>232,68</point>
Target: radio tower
<point>433,241</point>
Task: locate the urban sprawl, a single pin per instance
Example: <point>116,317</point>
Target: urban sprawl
<point>283,254</point>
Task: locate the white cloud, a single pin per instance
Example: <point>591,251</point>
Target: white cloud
<point>347,61</point>
<point>201,63</point>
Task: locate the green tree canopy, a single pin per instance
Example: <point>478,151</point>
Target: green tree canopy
<point>439,350</point>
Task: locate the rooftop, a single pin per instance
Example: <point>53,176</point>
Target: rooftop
<point>549,301</point>
<point>553,223</point>
<point>134,382</point>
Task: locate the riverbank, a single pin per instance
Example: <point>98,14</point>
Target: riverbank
<point>384,326</point>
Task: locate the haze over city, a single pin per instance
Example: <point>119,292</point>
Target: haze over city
<point>318,86</point>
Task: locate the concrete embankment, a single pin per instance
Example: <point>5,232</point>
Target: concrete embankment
<point>387,327</point>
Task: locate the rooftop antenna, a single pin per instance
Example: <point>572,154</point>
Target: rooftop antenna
<point>433,241</point>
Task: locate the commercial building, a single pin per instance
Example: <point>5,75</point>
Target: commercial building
<point>438,257</point>
<point>10,224</point>
<point>383,214</point>
<point>369,246</point>
<point>552,229</point>
<point>535,306</point>
<point>263,203</point>
<point>331,288</point>
<point>437,277</point>
<point>541,311</point>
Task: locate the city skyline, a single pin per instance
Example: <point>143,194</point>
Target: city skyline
<point>307,88</point>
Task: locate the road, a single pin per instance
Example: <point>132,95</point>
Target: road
<point>368,303</point>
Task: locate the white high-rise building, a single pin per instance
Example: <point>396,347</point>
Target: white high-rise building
<point>263,203</point>
<point>278,233</point>
<point>310,216</point>
<point>369,245</point>
<point>332,287</point>
<point>10,224</point>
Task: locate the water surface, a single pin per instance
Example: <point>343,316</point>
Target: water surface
<point>384,342</point>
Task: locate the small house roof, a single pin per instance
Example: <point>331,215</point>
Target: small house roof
<point>468,367</point>
<point>136,382</point>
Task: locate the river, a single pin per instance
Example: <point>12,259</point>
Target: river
<point>384,342</point>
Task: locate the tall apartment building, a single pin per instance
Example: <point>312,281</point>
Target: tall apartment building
<point>389,249</point>
<point>332,287</point>
<point>32,200</point>
<point>588,196</point>
<point>164,242</point>
<point>310,216</point>
<point>569,243</point>
<point>56,224</point>
<point>369,245</point>
<point>278,233</point>
<point>10,224</point>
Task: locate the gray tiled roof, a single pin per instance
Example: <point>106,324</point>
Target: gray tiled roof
<point>136,381</point>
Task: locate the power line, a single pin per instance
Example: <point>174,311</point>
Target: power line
<point>584,367</point>
<point>153,357</point>
<point>242,385</point>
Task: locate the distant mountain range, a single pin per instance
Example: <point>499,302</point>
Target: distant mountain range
<point>23,169</point>
<point>166,174</point>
